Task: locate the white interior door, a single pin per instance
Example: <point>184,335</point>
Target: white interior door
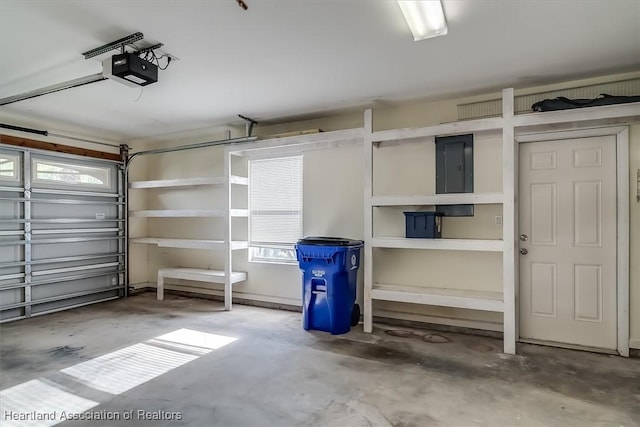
<point>567,209</point>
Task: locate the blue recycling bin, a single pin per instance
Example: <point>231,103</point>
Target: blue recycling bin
<point>330,276</point>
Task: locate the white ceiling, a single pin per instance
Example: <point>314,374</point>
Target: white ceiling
<point>290,58</point>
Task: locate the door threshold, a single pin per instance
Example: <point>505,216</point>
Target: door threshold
<point>569,346</point>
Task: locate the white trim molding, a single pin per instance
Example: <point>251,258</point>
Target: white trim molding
<point>622,153</point>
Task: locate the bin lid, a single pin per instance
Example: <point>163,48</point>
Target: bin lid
<point>329,241</point>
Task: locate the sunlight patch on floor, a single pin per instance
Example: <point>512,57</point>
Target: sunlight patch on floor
<point>125,369</point>
<point>41,403</point>
<point>37,403</point>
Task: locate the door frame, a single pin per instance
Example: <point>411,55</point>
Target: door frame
<point>622,184</point>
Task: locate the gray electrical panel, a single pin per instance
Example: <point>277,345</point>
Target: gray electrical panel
<point>454,171</point>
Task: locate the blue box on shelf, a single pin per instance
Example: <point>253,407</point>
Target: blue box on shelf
<point>423,225</point>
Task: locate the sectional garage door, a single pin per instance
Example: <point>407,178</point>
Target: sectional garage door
<point>61,232</point>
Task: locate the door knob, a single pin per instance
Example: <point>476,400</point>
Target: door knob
<point>524,237</point>
<point>523,251</point>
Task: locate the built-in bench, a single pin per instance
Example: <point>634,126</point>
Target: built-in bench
<point>199,275</point>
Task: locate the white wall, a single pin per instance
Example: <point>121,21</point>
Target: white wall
<point>333,191</point>
<point>333,205</point>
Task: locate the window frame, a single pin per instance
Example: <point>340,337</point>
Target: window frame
<point>17,161</point>
<point>107,184</point>
<point>251,252</point>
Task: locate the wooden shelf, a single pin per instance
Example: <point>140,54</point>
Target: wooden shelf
<point>485,245</point>
<point>439,199</point>
<point>189,243</point>
<point>467,126</point>
<point>185,213</point>
<point>188,182</point>
<point>474,300</point>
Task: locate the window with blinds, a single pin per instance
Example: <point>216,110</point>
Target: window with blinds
<point>275,209</point>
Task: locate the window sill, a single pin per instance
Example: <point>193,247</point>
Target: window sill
<point>261,261</point>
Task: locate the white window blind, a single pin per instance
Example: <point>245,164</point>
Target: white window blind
<point>275,211</point>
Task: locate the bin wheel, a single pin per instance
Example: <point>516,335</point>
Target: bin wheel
<point>355,315</point>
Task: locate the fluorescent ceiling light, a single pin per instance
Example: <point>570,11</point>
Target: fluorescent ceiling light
<point>425,18</point>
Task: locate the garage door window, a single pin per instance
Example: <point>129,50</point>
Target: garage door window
<point>275,214</point>
<point>76,175</point>
<point>9,167</point>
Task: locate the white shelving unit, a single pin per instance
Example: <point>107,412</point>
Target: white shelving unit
<point>476,300</point>
<point>226,276</point>
<point>508,125</point>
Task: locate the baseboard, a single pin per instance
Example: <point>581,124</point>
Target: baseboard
<point>141,287</point>
<point>568,346</point>
<point>242,298</point>
<point>389,317</point>
<point>634,343</point>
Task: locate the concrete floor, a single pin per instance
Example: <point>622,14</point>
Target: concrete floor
<point>276,374</point>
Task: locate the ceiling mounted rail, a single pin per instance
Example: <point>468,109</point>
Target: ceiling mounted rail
<point>93,78</point>
<point>118,44</point>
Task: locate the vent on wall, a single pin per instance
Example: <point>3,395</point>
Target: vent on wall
<point>523,103</point>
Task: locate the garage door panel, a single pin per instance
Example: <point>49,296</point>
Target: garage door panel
<point>87,263</point>
<point>10,314</point>
<point>80,236</point>
<point>10,212</point>
<point>12,297</point>
<point>89,211</point>
<point>11,254</point>
<point>10,226</point>
<point>10,209</point>
<point>45,251</point>
<point>66,271</point>
<point>68,287</point>
<point>71,227</point>
<point>8,271</point>
<point>76,224</point>
<point>72,302</point>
